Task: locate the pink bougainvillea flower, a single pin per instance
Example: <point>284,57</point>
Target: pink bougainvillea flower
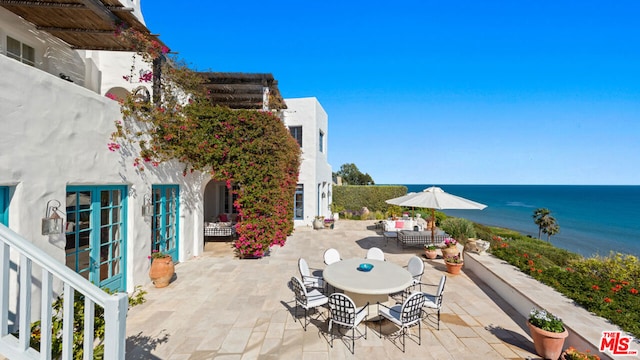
<point>113,146</point>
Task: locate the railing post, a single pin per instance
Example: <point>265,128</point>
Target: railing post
<point>116,307</point>
<point>4,288</point>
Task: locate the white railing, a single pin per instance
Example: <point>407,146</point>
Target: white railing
<point>17,347</point>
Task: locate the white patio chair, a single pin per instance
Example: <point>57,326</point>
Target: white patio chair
<point>404,316</point>
<point>415,266</point>
<point>343,313</point>
<point>434,302</point>
<point>331,256</point>
<point>309,280</point>
<point>307,300</point>
<point>375,254</point>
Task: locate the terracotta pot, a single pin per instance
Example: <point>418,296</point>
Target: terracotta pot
<point>161,272</point>
<point>548,344</point>
<point>450,251</point>
<point>431,254</point>
<point>453,268</point>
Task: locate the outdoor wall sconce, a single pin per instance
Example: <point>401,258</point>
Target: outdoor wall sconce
<point>147,206</point>
<point>52,222</point>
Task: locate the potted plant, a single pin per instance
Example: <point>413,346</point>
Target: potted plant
<point>454,264</point>
<point>318,222</point>
<point>430,251</point>
<point>572,354</point>
<point>162,268</point>
<point>548,333</point>
<point>450,248</point>
<point>328,223</point>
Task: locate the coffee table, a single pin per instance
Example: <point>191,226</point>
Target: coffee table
<point>374,286</point>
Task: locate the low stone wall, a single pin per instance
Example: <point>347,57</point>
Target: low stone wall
<point>525,293</point>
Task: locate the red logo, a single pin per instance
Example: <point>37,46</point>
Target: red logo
<point>616,343</point>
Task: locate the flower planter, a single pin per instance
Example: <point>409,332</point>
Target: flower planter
<point>161,272</point>
<point>453,268</point>
<point>431,254</point>
<point>548,344</point>
<point>450,251</point>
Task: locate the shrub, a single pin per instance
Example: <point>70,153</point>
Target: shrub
<point>459,228</point>
<point>607,286</point>
<point>355,197</point>
<point>136,298</point>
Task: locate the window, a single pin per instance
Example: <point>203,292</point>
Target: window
<point>21,52</point>
<point>296,132</point>
<point>298,203</point>
<point>321,141</point>
<point>227,198</point>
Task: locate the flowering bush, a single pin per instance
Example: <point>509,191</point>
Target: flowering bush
<point>572,354</point>
<point>546,321</point>
<point>448,242</point>
<point>252,149</point>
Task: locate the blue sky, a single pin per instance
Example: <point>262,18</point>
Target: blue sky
<point>441,92</point>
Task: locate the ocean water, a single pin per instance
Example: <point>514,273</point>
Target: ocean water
<point>594,220</point>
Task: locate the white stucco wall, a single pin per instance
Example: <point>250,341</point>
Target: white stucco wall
<point>55,134</point>
<point>315,171</point>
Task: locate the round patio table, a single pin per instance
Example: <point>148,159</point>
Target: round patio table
<point>373,286</point>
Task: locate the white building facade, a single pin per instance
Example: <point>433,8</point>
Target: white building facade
<point>56,123</point>
<point>308,123</point>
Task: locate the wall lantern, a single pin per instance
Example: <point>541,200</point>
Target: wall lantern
<point>52,221</point>
<point>147,206</point>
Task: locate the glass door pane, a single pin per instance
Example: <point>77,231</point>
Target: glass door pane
<point>95,234</point>
<point>165,219</point>
<point>4,205</point>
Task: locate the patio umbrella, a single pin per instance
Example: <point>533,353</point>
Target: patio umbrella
<point>399,200</point>
<point>435,198</point>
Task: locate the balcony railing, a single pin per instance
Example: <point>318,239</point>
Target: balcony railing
<point>25,255</point>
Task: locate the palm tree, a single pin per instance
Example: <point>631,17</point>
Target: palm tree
<point>540,218</point>
<point>551,227</point>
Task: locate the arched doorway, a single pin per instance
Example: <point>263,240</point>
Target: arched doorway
<point>218,211</point>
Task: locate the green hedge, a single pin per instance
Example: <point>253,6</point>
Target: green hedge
<point>355,197</point>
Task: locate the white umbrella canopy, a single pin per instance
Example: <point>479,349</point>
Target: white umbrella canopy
<point>436,198</point>
<point>399,200</point>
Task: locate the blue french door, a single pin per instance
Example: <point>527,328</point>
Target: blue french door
<point>4,205</point>
<point>164,222</point>
<point>96,234</point>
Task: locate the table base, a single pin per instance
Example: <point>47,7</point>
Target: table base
<point>373,300</point>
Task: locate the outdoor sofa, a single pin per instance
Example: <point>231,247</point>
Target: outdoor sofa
<point>420,238</point>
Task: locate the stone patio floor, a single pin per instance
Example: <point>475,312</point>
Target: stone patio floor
<point>220,307</point>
